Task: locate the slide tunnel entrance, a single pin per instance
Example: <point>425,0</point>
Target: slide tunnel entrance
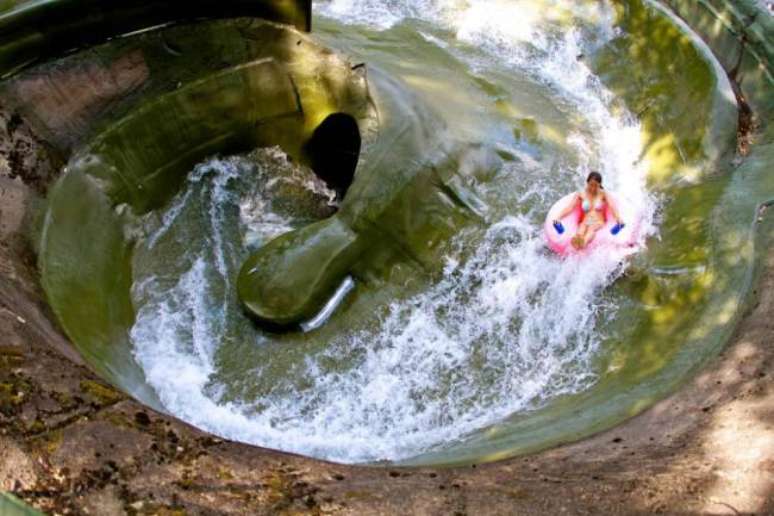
<point>334,150</point>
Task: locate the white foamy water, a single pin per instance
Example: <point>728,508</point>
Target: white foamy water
<point>507,328</point>
<point>506,331</point>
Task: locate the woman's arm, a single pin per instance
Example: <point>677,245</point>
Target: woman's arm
<point>568,209</point>
<point>616,216</point>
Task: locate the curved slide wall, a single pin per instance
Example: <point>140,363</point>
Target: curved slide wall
<point>135,153</point>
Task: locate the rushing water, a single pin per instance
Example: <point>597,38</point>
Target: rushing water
<point>402,368</point>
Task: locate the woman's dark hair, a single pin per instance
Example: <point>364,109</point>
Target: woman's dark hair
<point>596,176</point>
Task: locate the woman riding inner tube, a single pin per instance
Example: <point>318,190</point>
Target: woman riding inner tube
<point>593,203</point>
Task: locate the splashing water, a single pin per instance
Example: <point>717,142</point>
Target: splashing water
<point>507,328</point>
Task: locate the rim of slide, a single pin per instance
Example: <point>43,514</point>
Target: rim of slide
<point>35,30</point>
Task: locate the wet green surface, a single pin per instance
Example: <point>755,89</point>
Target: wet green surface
<point>12,506</point>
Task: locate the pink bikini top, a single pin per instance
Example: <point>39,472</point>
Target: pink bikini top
<point>586,206</point>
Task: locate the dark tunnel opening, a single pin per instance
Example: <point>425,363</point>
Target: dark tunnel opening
<point>334,150</point>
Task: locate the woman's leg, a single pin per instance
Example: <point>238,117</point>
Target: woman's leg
<point>580,236</point>
<point>590,233</point>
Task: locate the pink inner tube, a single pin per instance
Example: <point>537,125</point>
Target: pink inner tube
<point>560,242</point>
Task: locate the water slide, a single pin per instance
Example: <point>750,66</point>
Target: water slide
<point>331,243</point>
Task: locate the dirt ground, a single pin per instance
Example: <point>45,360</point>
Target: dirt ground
<point>71,444</point>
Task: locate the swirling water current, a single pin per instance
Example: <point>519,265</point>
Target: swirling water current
<point>503,328</point>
